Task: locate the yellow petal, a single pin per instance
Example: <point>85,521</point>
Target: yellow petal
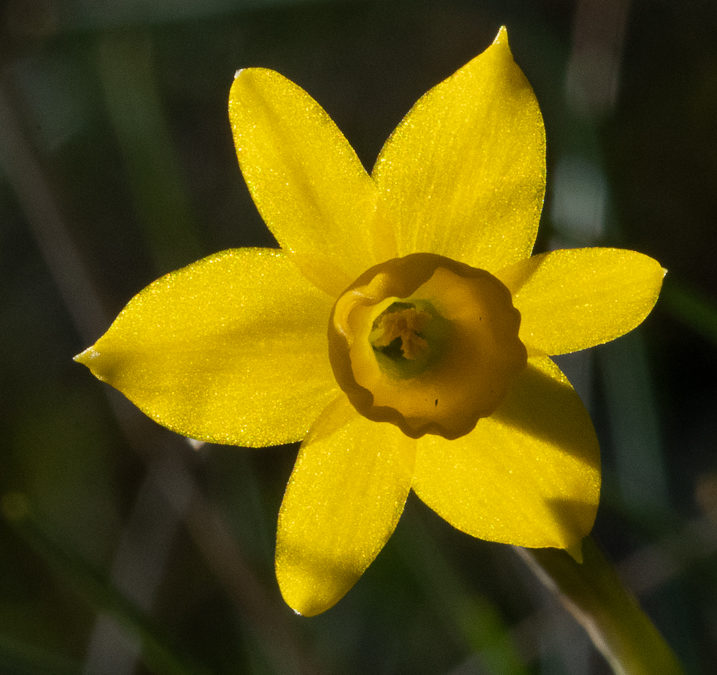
<point>577,298</point>
<point>463,175</point>
<point>342,503</point>
<point>529,475</point>
<point>305,179</point>
<point>231,349</point>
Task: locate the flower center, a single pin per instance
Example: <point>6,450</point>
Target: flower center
<point>407,338</point>
<point>397,332</point>
<point>426,343</point>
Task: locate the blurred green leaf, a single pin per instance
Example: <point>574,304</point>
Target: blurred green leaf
<point>95,588</point>
<point>691,307</point>
<point>152,167</point>
<point>84,14</point>
<point>21,658</point>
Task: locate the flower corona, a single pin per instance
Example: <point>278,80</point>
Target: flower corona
<point>427,343</point>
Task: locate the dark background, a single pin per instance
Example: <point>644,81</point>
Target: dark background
<point>117,165</point>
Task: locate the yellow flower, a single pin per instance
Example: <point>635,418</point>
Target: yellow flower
<point>436,374</point>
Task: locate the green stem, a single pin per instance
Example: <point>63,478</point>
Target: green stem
<point>593,593</point>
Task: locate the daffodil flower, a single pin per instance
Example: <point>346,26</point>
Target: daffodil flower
<point>402,330</point>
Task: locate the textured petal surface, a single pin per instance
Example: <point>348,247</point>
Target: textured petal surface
<point>342,503</point>
<point>463,175</point>
<point>528,475</point>
<point>231,349</point>
<point>305,179</point>
<point>577,298</point>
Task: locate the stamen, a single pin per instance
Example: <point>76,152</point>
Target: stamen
<point>397,332</point>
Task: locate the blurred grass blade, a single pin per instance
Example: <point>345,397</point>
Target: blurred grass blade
<point>157,652</point>
<point>691,307</point>
<point>19,657</point>
<point>474,621</point>
<point>152,167</point>
<point>595,596</point>
<point>92,15</point>
<point>633,412</point>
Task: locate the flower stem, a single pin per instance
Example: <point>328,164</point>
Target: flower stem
<point>593,593</point>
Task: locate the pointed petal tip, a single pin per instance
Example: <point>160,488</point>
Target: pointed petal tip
<point>86,356</point>
<point>305,602</point>
<point>244,77</point>
<point>575,551</point>
<point>501,37</point>
<point>501,40</point>
<point>249,71</point>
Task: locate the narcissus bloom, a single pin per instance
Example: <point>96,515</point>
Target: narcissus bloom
<point>435,375</point>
